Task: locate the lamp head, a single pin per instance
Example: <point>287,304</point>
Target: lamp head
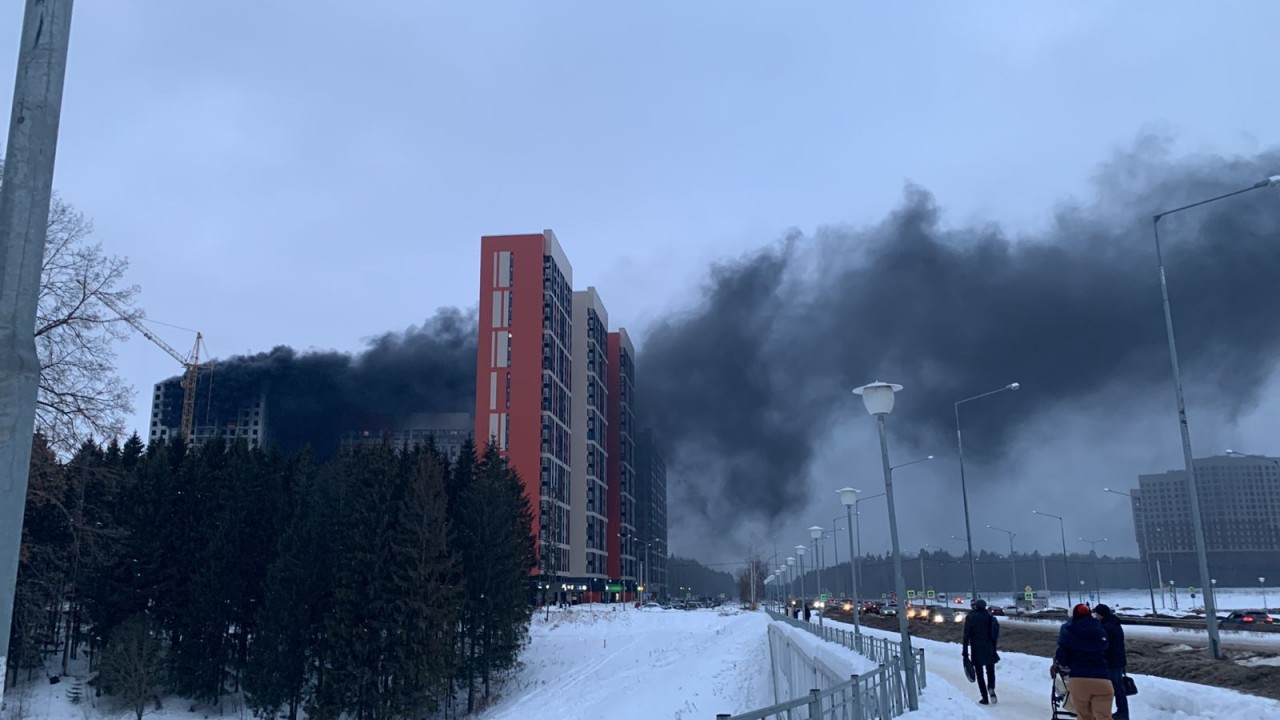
<point>1014,386</point>
<point>878,397</point>
<point>815,532</point>
<point>800,550</point>
<point>848,496</point>
<point>791,562</point>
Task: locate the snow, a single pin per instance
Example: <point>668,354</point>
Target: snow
<point>622,663</point>
<point>1023,687</point>
<point>1138,601</point>
<point>617,662</point>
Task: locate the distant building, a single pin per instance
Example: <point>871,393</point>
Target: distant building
<point>245,420</point>
<point>449,432</point>
<point>1239,506</point>
<point>651,510</point>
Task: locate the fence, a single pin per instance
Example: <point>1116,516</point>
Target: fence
<point>881,650</point>
<point>869,696</point>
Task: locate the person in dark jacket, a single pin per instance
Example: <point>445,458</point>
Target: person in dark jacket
<point>1082,654</point>
<point>1116,659</point>
<point>981,637</point>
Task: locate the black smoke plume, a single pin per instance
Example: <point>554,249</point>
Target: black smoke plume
<point>315,398</point>
<point>745,385</point>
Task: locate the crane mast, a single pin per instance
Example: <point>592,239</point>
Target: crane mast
<point>190,364</point>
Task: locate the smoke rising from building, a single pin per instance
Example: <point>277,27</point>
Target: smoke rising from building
<point>745,385</point>
<point>313,398</point>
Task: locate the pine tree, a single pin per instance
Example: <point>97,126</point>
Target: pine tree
<point>493,532</point>
<point>286,650</point>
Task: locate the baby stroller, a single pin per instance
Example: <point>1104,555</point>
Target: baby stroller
<point>1060,694</point>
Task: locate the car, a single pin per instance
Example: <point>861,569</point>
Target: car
<point>1260,619</point>
<point>995,609</point>
<point>890,609</point>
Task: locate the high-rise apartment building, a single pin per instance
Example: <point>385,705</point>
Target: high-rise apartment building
<point>524,381</point>
<point>1239,508</point>
<point>621,459</point>
<point>651,512</point>
<point>448,431</point>
<point>588,486</point>
<point>243,418</point>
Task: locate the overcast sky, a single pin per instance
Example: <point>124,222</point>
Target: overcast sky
<point>315,173</point>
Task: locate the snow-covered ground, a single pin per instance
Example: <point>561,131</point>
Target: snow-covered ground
<point>1023,687</point>
<point>616,662</point>
<point>1139,600</point>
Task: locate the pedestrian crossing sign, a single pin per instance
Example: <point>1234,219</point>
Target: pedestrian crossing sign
<point>911,594</point>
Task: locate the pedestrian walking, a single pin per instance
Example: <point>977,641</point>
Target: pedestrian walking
<point>1082,654</point>
<point>1116,657</point>
<point>981,638</point>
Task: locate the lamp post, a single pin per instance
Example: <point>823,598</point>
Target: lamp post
<point>835,549</point>
<point>1263,588</point>
<point>1093,552</point>
<point>849,498</point>
<point>1197,522</point>
<point>857,517</point>
<point>964,491</point>
<point>815,533</point>
<point>878,398</point>
<point>1065,566</point>
<point>804,597</point>
<point>791,576</point>
<point>1013,569</point>
<point>924,586</point>
<point>1146,546</point>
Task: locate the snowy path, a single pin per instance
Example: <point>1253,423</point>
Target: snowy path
<point>1016,701</point>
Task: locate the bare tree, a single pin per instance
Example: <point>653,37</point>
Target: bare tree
<point>133,664</point>
<point>81,394</point>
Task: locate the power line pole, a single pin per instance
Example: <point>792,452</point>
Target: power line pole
<point>24,217</point>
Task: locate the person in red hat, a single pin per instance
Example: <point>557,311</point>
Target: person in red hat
<point>1082,654</point>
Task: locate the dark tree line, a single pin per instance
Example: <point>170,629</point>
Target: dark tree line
<point>385,583</point>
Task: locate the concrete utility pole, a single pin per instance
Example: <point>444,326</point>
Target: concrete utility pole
<point>24,217</point>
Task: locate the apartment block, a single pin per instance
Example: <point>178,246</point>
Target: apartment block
<point>651,513</point>
<point>588,491</point>
<point>524,380</point>
<point>621,459</point>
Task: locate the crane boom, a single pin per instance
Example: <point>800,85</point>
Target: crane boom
<point>190,364</point>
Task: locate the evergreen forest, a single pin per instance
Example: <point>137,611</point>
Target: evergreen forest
<point>384,583</point>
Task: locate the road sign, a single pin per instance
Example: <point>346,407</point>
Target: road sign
<point>613,588</point>
<point>884,596</point>
<point>930,595</point>
<point>1028,596</point>
<point>911,594</point>
<point>825,597</point>
<point>1026,589</point>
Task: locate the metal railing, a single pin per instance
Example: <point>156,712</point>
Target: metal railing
<point>881,650</point>
<point>869,696</point>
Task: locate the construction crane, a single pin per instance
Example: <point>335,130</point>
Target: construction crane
<point>190,364</point>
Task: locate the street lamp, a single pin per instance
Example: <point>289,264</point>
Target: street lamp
<point>1063,529</point>
<point>1146,546</point>
<point>815,533</point>
<point>1197,523</point>
<point>1093,551</point>
<point>964,491</point>
<point>1013,569</point>
<point>800,551</point>
<point>835,550</point>
<point>849,498</point>
<point>878,398</point>
<point>924,587</point>
<point>857,518</point>
<point>1263,588</point>
<point>791,576</point>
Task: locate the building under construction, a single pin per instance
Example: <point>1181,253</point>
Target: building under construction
<point>244,417</point>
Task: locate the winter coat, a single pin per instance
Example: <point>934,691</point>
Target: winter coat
<point>981,636</point>
<point>1116,659</point>
<point>1082,648</point>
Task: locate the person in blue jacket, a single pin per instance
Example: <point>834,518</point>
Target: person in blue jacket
<point>1116,659</point>
<point>1082,654</point>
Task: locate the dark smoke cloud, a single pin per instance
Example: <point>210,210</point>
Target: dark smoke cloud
<point>316,397</point>
<point>744,385</point>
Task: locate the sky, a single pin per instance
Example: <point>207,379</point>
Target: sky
<point>316,174</point>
